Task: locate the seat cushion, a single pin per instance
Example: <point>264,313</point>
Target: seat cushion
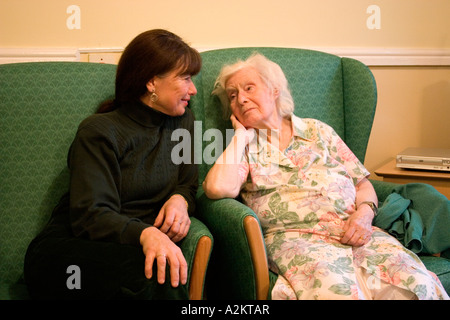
<point>441,267</point>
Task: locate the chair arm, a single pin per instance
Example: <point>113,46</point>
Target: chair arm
<point>383,189</point>
<point>238,266</point>
<point>259,256</point>
<point>197,248</point>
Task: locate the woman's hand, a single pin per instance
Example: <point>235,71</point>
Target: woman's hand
<point>173,218</point>
<point>240,129</point>
<point>358,227</point>
<point>157,246</point>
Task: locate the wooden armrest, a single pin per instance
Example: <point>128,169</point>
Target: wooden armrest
<point>199,266</point>
<point>259,256</point>
<point>436,254</point>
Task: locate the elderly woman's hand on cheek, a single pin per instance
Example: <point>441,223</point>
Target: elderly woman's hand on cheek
<point>248,134</point>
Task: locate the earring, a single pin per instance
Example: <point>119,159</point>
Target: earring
<point>154,97</point>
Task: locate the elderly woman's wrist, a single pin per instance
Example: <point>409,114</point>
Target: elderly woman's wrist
<point>244,135</point>
<point>369,205</point>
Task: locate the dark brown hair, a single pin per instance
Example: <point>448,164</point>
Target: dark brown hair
<point>152,53</point>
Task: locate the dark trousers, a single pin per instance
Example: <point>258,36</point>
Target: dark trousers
<point>61,266</point>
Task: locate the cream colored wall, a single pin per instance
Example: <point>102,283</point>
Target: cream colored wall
<point>414,102</point>
<point>413,111</point>
<point>209,23</point>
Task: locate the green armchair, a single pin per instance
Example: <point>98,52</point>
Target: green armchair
<point>339,91</point>
<point>41,105</point>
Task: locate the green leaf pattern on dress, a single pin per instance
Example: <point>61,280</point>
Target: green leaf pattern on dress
<point>303,197</point>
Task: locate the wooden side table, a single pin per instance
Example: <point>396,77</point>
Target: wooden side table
<point>438,179</point>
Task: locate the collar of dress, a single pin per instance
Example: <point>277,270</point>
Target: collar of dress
<point>300,128</point>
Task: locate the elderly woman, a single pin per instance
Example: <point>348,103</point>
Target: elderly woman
<point>311,195</point>
<point>128,205</point>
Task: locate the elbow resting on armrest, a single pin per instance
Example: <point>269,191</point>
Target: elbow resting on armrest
<point>218,191</point>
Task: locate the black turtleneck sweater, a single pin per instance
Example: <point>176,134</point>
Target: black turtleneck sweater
<point>121,172</point>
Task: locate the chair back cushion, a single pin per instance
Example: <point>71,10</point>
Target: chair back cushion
<point>339,91</point>
<point>41,105</point>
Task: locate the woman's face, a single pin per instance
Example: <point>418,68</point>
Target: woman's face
<point>251,101</point>
<point>174,92</point>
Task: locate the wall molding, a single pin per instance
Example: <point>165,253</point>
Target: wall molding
<point>15,55</point>
<point>386,56</point>
<point>369,56</point>
<point>101,50</point>
<point>394,56</point>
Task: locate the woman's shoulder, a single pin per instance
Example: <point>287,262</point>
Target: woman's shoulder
<point>100,124</point>
<point>96,119</point>
<point>309,124</point>
<point>308,121</point>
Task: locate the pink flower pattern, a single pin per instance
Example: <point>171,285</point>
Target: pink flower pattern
<point>303,203</point>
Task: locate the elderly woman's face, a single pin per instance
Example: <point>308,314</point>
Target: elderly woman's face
<point>251,101</point>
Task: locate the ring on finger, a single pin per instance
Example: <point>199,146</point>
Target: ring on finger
<point>160,255</point>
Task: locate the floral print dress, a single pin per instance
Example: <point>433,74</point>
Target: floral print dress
<point>302,197</point>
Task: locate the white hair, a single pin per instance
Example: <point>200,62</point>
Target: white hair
<point>271,74</point>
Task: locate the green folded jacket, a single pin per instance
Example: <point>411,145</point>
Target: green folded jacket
<point>418,216</point>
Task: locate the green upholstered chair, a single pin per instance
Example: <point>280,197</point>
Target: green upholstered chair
<point>41,105</point>
<point>339,91</point>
